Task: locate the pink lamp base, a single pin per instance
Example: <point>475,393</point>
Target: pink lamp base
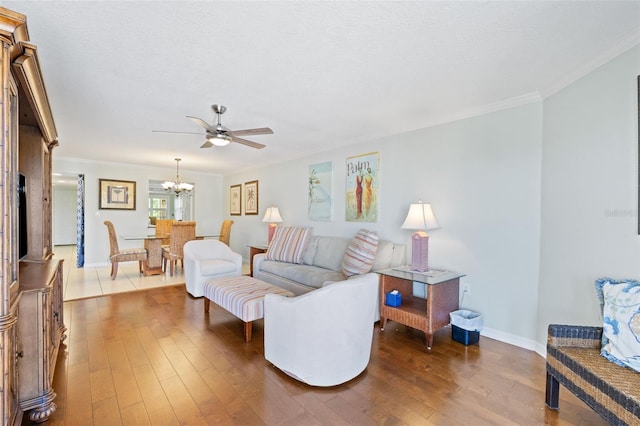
<point>272,230</point>
<point>420,251</point>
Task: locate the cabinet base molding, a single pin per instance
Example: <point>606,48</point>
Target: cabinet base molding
<point>41,407</point>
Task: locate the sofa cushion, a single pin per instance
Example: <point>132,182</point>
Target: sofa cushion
<point>360,254</point>
<point>216,266</point>
<point>310,252</point>
<point>289,244</point>
<point>311,276</point>
<point>621,316</point>
<point>384,256</point>
<point>329,252</point>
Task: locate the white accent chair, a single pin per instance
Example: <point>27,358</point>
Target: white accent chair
<point>205,260</point>
<point>322,338</point>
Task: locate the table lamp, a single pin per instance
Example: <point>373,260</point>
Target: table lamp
<point>421,218</point>
<point>272,215</point>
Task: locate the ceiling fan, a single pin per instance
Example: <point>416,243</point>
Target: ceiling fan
<point>221,136</point>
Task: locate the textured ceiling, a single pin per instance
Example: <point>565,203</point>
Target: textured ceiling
<point>320,74</point>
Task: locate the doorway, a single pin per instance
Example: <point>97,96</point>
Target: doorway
<point>68,212</point>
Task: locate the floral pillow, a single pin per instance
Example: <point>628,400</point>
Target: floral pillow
<point>620,301</point>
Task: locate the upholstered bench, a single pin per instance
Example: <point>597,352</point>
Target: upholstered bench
<point>242,296</point>
<point>574,360</point>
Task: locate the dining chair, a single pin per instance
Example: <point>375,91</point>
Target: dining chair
<point>181,232</point>
<point>116,255</point>
<point>225,231</point>
<point>163,229</point>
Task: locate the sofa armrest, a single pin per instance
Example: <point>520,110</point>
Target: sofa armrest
<point>574,336</point>
<point>257,262</point>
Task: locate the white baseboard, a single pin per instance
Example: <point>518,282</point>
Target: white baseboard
<point>96,265</point>
<point>515,340</point>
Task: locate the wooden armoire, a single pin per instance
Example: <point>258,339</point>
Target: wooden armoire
<point>31,309</point>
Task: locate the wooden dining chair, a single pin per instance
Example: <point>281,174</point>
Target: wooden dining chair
<point>116,255</point>
<point>181,232</point>
<point>225,231</point>
<point>163,230</point>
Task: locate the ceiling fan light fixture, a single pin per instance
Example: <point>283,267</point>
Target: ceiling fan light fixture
<point>219,139</point>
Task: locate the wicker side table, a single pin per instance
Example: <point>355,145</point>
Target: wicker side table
<point>430,315</point>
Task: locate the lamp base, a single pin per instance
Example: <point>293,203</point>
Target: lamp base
<point>271,231</point>
<point>420,252</point>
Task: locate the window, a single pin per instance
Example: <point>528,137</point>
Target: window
<point>158,207</point>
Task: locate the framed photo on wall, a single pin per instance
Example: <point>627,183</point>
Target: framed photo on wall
<point>251,197</point>
<point>235,200</point>
<point>117,194</point>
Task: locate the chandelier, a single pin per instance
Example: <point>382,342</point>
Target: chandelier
<point>177,186</point>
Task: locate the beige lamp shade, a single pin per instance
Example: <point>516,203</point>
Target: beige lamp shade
<point>272,215</point>
<point>420,217</point>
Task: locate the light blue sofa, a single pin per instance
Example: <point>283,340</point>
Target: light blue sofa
<point>322,263</point>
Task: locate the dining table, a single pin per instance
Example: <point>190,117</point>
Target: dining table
<point>153,245</point>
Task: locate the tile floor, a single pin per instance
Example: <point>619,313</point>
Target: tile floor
<point>81,283</point>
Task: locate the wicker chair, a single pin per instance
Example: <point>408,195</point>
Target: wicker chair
<point>181,232</point>
<point>163,229</point>
<point>126,255</point>
<point>225,231</point>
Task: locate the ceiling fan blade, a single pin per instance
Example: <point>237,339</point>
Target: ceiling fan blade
<point>245,132</point>
<point>169,131</point>
<point>202,123</point>
<point>247,143</point>
<point>207,144</point>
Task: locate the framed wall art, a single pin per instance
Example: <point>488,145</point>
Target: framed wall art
<point>117,194</point>
<point>235,200</point>
<point>361,179</point>
<point>251,197</point>
<point>320,191</point>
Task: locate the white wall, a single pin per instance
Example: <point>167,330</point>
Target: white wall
<point>589,187</point>
<point>207,197</point>
<point>64,215</point>
<point>482,176</point>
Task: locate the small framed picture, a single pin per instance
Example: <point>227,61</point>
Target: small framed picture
<point>235,200</point>
<point>117,194</point>
<point>251,197</point>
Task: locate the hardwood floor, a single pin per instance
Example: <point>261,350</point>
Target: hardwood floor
<point>153,358</point>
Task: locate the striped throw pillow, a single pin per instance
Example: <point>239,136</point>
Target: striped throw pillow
<point>289,244</point>
<point>360,254</point>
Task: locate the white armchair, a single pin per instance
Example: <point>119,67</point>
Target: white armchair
<point>322,338</point>
<point>205,260</point>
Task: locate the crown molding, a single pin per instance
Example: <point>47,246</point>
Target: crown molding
<point>516,101</point>
<point>617,50</point>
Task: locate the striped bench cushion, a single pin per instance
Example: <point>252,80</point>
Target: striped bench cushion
<point>242,296</point>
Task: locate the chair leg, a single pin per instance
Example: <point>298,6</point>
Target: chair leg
<point>172,264</point>
<point>552,392</point>
<point>140,266</point>
<point>114,270</point>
